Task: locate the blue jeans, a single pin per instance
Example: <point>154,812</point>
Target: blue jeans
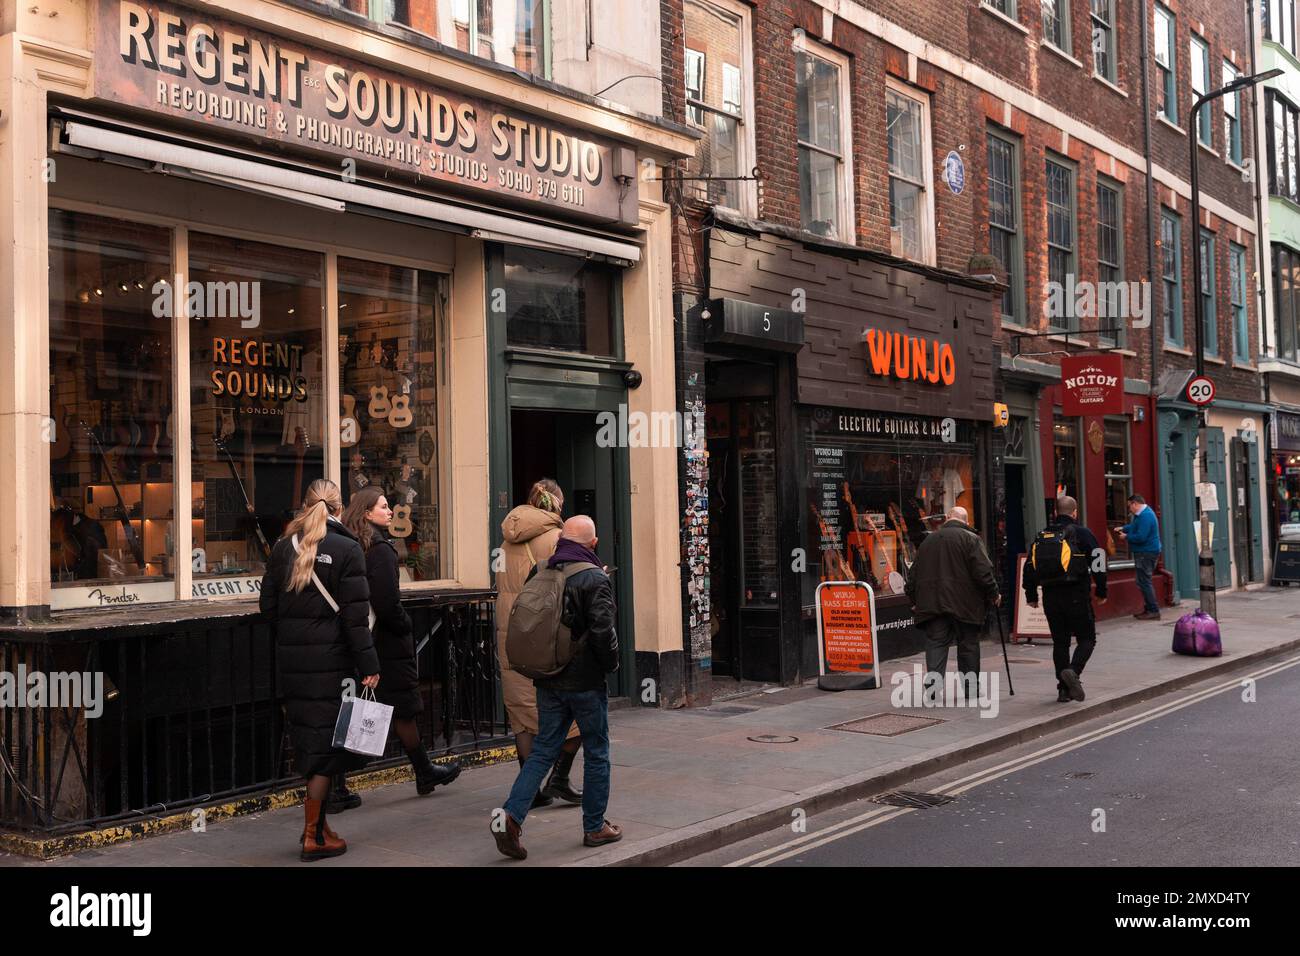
<point>1146,566</point>
<point>556,712</point>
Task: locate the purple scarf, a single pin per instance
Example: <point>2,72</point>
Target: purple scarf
<point>566,550</point>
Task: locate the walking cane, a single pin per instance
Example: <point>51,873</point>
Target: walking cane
<point>1002,631</point>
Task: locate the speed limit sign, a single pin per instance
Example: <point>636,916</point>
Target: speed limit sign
<point>1200,391</point>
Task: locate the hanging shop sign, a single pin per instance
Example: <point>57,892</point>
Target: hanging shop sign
<point>910,357</point>
<point>200,68</point>
<point>1286,431</point>
<point>846,628</point>
<point>737,322</point>
<point>1092,385</point>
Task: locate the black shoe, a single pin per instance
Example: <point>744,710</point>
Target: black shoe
<point>558,786</point>
<point>340,798</point>
<point>1062,696</point>
<point>437,775</point>
<point>1071,680</point>
<point>542,800</point>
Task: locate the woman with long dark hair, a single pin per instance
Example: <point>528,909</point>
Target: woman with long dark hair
<point>316,597</point>
<point>368,516</point>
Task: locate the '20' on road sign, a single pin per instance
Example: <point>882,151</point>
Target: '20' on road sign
<point>1200,390</point>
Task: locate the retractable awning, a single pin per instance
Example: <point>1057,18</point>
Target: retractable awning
<point>298,184</point>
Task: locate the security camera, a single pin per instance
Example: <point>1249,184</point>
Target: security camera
<point>632,378</point>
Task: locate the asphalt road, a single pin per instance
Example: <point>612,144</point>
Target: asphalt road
<point>1196,778</point>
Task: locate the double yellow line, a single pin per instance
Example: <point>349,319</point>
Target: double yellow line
<point>872,818</point>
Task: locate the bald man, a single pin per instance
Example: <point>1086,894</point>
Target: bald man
<point>951,586</point>
<point>1067,592</point>
<point>577,693</point>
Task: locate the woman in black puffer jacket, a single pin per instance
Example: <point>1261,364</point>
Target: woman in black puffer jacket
<point>368,517</point>
<point>318,646</point>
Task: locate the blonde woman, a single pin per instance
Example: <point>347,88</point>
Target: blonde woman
<point>319,645</point>
<point>530,533</point>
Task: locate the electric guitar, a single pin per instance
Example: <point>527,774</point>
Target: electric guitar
<point>855,535</point>
<point>834,567</point>
<point>252,512</point>
<point>132,541</point>
<point>904,543</point>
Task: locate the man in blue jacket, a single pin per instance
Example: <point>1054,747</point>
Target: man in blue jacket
<point>1143,537</point>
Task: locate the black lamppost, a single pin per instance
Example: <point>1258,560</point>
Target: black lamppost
<point>1209,604</point>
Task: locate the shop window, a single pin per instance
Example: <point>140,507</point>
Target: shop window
<point>390,323</point>
<point>1119,485</point>
<point>1103,39</point>
<point>256,397</point>
<point>1232,116</point>
<point>1016,428</point>
<point>1237,295</point>
<point>823,131</point>
<point>1200,76</point>
<point>1287,473</point>
<point>1006,240</point>
<point>718,86</point>
<point>871,507</point>
<point>1166,63</point>
<point>1056,23</point>
<point>1065,453</point>
<point>555,301</point>
<point>911,198</point>
<point>1110,261</point>
<point>1171,276</point>
<point>1210,328</point>
<point>112,491</point>
<point>1061,233</point>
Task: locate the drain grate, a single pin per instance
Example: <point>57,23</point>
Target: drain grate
<point>887,725</point>
<point>1080,774</point>
<point>913,799</point>
<point>730,710</point>
<point>774,739</point>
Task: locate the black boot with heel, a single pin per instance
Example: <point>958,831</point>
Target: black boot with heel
<point>558,786</point>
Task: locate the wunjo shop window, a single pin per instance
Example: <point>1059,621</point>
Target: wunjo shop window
<point>257,322</point>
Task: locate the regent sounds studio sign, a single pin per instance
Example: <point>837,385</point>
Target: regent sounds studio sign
<point>195,67</point>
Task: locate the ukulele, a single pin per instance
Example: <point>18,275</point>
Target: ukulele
<point>400,526</point>
<point>834,567</point>
<point>379,406</point>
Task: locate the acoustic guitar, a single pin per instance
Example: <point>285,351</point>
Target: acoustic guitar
<point>834,567</point>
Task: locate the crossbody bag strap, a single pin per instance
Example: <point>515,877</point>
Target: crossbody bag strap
<point>329,599</point>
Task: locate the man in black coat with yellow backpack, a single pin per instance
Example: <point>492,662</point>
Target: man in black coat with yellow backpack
<point>1061,561</point>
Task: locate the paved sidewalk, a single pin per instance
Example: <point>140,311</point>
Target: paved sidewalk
<point>687,781</point>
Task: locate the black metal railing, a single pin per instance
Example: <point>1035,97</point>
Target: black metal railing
<point>190,713</point>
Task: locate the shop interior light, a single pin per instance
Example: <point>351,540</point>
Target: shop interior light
<point>99,292</point>
<point>83,296</point>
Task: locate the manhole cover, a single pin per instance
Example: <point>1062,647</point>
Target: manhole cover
<point>912,798</point>
<point>729,711</point>
<point>774,739</point>
<point>1081,774</point>
<point>887,725</point>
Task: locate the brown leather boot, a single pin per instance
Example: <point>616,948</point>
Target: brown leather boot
<point>319,841</point>
<point>508,839</point>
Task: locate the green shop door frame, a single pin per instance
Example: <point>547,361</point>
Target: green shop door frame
<point>564,382</point>
<point>1178,500</point>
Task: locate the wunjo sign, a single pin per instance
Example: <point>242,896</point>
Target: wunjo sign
<point>199,68</point>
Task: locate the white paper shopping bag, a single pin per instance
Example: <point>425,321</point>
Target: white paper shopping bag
<point>362,727</point>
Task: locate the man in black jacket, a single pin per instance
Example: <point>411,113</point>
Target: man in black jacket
<point>576,693</point>
<point>1067,596</point>
<point>951,586</point>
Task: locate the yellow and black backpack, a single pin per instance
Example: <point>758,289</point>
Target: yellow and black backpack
<point>1057,556</point>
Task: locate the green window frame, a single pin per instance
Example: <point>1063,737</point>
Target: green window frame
<point>1056,23</point>
<point>1231,117</point>
<point>1110,258</point>
<point>1210,330</point>
<point>1166,57</point>
<point>1237,296</point>
<point>1198,68</point>
<point>1102,17</point>
<point>1171,275</point>
<point>1062,233</point>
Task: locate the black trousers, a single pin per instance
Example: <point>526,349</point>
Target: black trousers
<point>1069,615</point>
<point>943,631</point>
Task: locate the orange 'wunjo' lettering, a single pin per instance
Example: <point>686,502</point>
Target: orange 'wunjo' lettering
<point>880,346</point>
<point>893,354</point>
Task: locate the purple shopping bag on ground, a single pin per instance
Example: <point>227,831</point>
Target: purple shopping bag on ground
<point>1197,634</point>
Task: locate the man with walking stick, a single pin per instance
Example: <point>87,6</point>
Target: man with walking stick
<point>951,588</point>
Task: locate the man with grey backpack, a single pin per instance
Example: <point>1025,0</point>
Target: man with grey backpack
<point>561,633</point>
